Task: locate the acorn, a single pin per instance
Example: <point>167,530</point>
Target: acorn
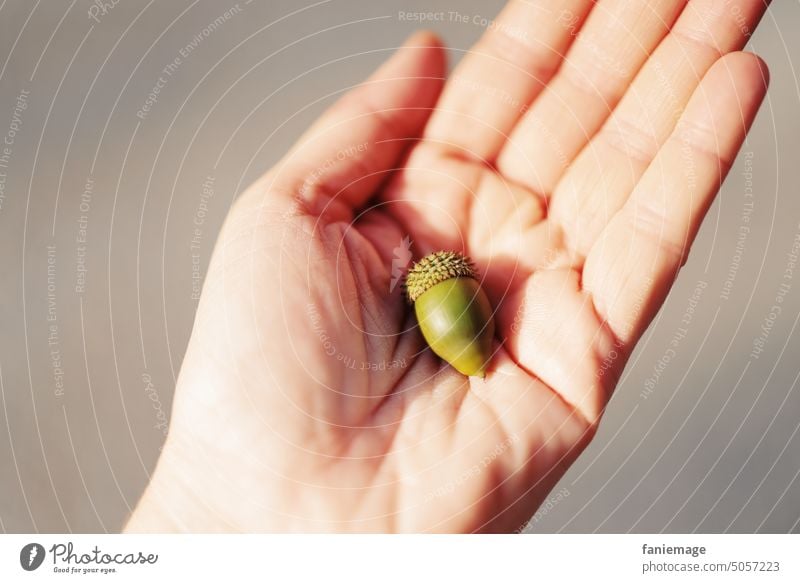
<point>452,310</point>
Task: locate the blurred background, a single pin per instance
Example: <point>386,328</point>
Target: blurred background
<point>130,126</point>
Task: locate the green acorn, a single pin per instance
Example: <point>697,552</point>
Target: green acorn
<point>453,311</point>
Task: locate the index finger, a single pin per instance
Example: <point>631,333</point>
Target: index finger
<point>501,75</point>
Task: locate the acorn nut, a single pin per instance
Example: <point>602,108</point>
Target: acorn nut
<point>452,310</point>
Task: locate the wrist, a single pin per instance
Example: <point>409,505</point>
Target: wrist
<point>169,504</point>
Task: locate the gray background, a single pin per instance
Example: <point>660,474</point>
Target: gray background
<point>713,448</point>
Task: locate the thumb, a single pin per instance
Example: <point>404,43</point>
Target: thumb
<point>348,152</point>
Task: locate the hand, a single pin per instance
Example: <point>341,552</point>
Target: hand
<point>307,400</point>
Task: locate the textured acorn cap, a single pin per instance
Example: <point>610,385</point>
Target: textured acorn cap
<point>436,268</point>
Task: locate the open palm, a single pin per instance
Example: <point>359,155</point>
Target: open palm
<point>573,167</point>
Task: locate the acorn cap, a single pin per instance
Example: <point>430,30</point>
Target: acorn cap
<point>436,268</point>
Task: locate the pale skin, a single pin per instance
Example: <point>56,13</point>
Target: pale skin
<point>572,153</point>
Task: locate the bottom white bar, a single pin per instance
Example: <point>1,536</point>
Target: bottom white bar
<point>400,558</point>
